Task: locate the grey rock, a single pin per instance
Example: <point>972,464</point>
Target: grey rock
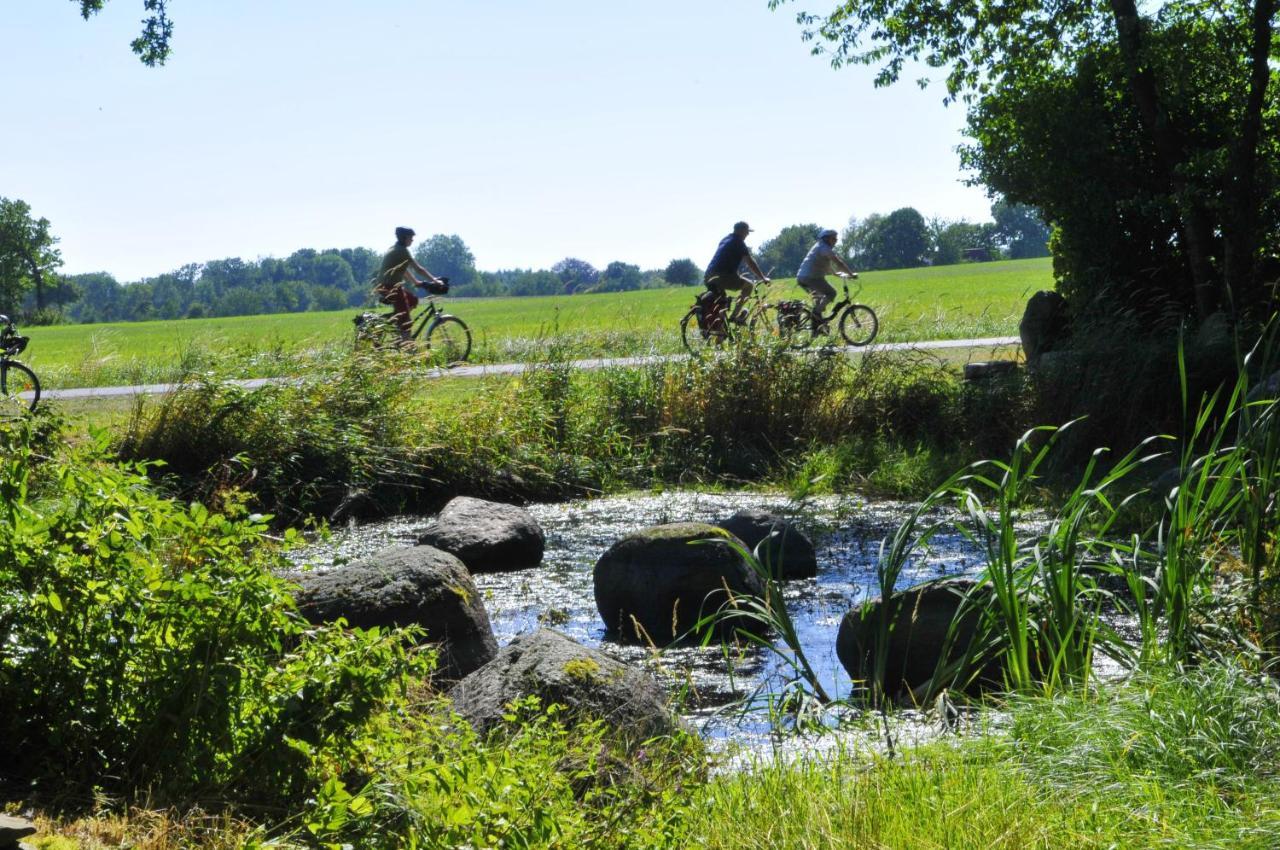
<point>487,536</point>
<point>551,666</point>
<point>920,618</point>
<point>1043,325</point>
<point>402,586</point>
<point>981,370</point>
<point>786,552</point>
<point>664,578</point>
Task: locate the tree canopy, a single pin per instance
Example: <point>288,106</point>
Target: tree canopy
<point>29,258</point>
<point>447,256</point>
<point>781,255</point>
<point>152,45</point>
<point>1147,138</point>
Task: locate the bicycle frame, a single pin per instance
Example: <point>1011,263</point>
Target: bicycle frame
<point>429,313</point>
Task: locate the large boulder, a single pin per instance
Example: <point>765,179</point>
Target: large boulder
<point>655,584</point>
<point>920,619</point>
<point>404,586</point>
<point>487,536</point>
<point>786,552</point>
<point>554,668</point>
<point>1044,325</point>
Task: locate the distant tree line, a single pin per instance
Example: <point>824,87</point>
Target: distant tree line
<point>904,239</point>
<point>337,278</point>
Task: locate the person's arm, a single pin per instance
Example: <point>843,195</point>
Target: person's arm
<point>421,271</point>
<point>755,269</point>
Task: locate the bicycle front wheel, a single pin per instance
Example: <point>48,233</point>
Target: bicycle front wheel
<point>858,324</point>
<point>449,341</point>
<point>19,390</point>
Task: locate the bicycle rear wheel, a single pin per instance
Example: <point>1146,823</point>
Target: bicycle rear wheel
<point>698,339</point>
<point>449,341</point>
<point>19,390</point>
<point>858,324</point>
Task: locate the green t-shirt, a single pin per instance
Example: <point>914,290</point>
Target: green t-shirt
<point>393,266</point>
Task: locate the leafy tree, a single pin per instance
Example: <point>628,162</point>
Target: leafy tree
<point>781,255</point>
<point>576,275</point>
<point>152,46</point>
<point>29,259</point>
<point>1162,121</point>
<point>447,256</point>
<point>953,241</point>
<point>1019,228</point>
<point>854,238</point>
<point>682,273</point>
<point>534,283</point>
<point>900,240</point>
<point>619,277</point>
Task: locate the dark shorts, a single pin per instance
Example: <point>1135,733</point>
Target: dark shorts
<point>817,286</point>
<point>730,282</point>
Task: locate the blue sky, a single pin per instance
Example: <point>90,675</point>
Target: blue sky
<point>535,131</point>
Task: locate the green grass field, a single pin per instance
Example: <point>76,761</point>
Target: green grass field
<point>949,302</point>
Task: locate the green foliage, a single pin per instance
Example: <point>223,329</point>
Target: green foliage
<point>898,240</point>
<point>1146,136</point>
<point>28,257</point>
<point>316,446</point>
<point>447,256</point>
<point>537,781</point>
<point>148,646</point>
<point>781,255</point>
<point>152,46</point>
<point>682,273</point>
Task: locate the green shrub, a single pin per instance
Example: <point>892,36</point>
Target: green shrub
<point>146,644</point>
<point>425,779</point>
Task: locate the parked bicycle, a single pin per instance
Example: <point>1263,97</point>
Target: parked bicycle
<point>797,323</point>
<point>19,386</point>
<point>447,338</point>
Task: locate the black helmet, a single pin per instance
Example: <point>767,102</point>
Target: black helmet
<point>402,232</point>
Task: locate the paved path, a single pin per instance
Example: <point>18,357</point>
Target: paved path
<point>483,369</point>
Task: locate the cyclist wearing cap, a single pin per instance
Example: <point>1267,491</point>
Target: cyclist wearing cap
<point>821,261</point>
<point>722,271</point>
<point>394,275</point>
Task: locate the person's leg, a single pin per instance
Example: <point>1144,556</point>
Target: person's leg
<point>822,292</point>
<point>738,306</point>
<point>403,301</point>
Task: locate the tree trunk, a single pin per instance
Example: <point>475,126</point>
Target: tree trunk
<point>1240,260</point>
<point>1196,229</point>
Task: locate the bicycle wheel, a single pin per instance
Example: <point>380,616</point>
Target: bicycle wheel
<point>449,341</point>
<point>791,324</point>
<point>376,333</point>
<point>19,389</point>
<point>697,339</point>
<point>858,324</point>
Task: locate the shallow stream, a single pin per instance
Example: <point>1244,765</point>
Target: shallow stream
<point>846,533</point>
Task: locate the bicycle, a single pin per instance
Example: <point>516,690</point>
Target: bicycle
<point>708,323</point>
<point>857,323</point>
<point>19,386</point>
<point>447,337</point>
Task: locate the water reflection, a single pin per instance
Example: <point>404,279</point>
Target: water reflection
<point>846,532</point>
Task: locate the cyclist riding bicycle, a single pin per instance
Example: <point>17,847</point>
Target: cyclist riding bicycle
<point>821,261</point>
<point>722,271</point>
<point>395,274</point>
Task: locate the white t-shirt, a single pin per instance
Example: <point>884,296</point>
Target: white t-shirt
<point>819,262</point>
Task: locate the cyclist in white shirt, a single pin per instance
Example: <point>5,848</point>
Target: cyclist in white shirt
<point>821,261</point>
